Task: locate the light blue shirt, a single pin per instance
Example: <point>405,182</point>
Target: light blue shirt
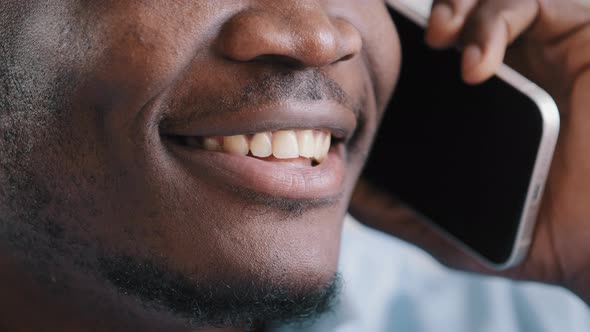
<point>390,285</point>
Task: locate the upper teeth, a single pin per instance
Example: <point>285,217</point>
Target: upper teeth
<point>283,144</point>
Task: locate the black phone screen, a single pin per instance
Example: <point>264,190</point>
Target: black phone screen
<point>461,155</point>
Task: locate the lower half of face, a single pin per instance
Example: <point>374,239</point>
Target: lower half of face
<point>162,164</point>
<point>158,219</point>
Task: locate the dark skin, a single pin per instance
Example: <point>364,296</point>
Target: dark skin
<point>93,180</point>
<point>108,182</point>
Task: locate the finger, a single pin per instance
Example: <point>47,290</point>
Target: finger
<point>490,28</point>
<point>447,19</point>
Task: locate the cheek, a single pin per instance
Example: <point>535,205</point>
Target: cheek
<point>389,66</point>
<point>382,51</point>
<point>386,63</point>
<point>121,192</point>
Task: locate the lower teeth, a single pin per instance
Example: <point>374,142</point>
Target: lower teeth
<point>301,161</point>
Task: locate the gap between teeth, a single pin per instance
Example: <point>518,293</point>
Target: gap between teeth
<point>283,144</point>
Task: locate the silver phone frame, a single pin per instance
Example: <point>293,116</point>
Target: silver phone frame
<point>551,126</point>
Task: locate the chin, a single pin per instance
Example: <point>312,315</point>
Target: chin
<point>267,282</point>
<point>301,251</point>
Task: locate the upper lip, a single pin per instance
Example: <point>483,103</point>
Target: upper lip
<point>340,120</point>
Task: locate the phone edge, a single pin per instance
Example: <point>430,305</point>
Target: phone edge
<point>551,127</point>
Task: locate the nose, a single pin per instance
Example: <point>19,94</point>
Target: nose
<point>300,33</point>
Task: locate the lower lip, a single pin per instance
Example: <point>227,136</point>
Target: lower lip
<point>323,181</point>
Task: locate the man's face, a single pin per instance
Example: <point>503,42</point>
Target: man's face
<point>111,110</point>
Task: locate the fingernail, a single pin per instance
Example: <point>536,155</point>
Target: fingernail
<point>440,18</point>
<point>442,13</point>
<point>471,57</point>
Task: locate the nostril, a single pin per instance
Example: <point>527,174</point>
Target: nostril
<point>307,38</point>
<point>274,59</point>
<point>346,57</point>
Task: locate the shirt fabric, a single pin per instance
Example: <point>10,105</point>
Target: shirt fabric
<point>390,285</point>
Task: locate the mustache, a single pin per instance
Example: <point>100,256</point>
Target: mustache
<point>270,88</point>
<point>308,86</point>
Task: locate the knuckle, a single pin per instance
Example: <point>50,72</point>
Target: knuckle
<point>488,19</point>
<point>465,6</point>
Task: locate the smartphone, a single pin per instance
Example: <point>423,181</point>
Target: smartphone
<point>471,160</point>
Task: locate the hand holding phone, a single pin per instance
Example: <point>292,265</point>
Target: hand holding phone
<point>564,216</point>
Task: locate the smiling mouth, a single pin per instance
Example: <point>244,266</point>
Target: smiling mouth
<point>291,164</point>
<point>307,147</point>
<point>293,151</point>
